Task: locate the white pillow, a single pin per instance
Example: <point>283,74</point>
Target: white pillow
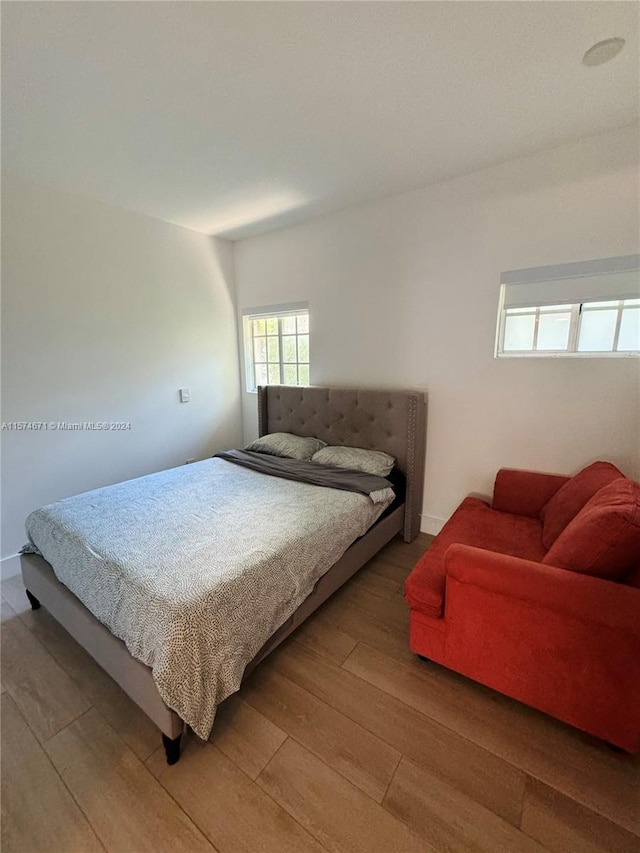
<point>287,444</point>
<point>356,459</point>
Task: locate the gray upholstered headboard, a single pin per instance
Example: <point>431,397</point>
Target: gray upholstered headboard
<point>389,420</point>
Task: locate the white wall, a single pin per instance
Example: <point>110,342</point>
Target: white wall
<point>105,315</point>
<point>405,292</point>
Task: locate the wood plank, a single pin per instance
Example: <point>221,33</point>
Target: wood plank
<point>7,613</point>
<point>38,812</point>
<point>418,545</point>
<point>232,811</point>
<point>46,696</point>
<point>245,736</point>
<point>127,808</point>
<point>344,745</point>
<point>563,825</point>
<point>337,813</point>
<point>368,619</point>
<point>14,594</point>
<point>319,636</point>
<point>455,760</point>
<point>101,691</point>
<point>376,597</point>
<point>406,554</point>
<point>557,754</point>
<point>403,561</point>
<point>391,571</point>
<point>373,583</point>
<point>377,632</point>
<point>449,820</point>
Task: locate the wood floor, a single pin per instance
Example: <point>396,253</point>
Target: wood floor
<point>341,740</point>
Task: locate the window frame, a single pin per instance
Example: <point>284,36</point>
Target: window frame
<point>577,311</point>
<point>578,286</point>
<point>280,313</point>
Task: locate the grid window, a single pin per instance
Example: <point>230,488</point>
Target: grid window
<point>582,308</point>
<point>589,328</point>
<point>277,348</point>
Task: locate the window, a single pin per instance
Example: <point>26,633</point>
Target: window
<point>588,308</point>
<point>276,343</point>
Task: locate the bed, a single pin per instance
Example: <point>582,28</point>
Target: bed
<point>392,421</point>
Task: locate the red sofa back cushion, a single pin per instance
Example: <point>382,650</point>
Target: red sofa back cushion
<point>604,538</point>
<point>572,497</point>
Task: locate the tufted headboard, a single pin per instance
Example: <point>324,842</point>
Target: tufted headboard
<point>393,421</point>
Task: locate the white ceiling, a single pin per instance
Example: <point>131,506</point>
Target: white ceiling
<point>234,118</point>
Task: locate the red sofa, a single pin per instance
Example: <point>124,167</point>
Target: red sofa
<point>538,596</point>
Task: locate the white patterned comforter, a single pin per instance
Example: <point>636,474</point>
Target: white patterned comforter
<point>196,567</point>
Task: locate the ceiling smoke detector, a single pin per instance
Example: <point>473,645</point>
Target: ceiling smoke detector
<point>603,52</point>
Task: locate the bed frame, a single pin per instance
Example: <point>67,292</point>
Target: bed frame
<point>393,421</point>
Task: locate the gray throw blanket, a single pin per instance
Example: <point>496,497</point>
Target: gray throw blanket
<point>330,476</point>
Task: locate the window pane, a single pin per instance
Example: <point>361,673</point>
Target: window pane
<point>289,348</point>
<point>303,347</point>
<point>609,304</point>
<point>553,331</point>
<point>288,325</point>
<point>261,374</point>
<point>303,324</point>
<point>274,374</point>
<point>631,302</point>
<point>303,374</point>
<point>629,337</point>
<point>272,326</point>
<point>597,329</point>
<point>518,332</point>
<point>290,374</point>
<point>526,310</point>
<point>258,327</point>
<point>273,350</point>
<point>259,349</point>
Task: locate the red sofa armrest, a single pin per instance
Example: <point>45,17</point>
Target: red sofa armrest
<point>582,596</point>
<point>524,492</point>
<point>564,643</point>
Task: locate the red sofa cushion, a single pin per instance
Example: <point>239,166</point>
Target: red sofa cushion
<point>473,523</point>
<point>570,498</point>
<point>604,537</point>
<point>632,577</point>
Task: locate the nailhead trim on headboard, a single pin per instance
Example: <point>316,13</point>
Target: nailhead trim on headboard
<point>262,410</point>
<point>411,453</point>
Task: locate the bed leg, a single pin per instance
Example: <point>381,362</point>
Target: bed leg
<point>172,748</point>
<point>33,601</point>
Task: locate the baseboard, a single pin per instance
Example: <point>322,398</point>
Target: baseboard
<point>432,525</point>
<point>10,567</point>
